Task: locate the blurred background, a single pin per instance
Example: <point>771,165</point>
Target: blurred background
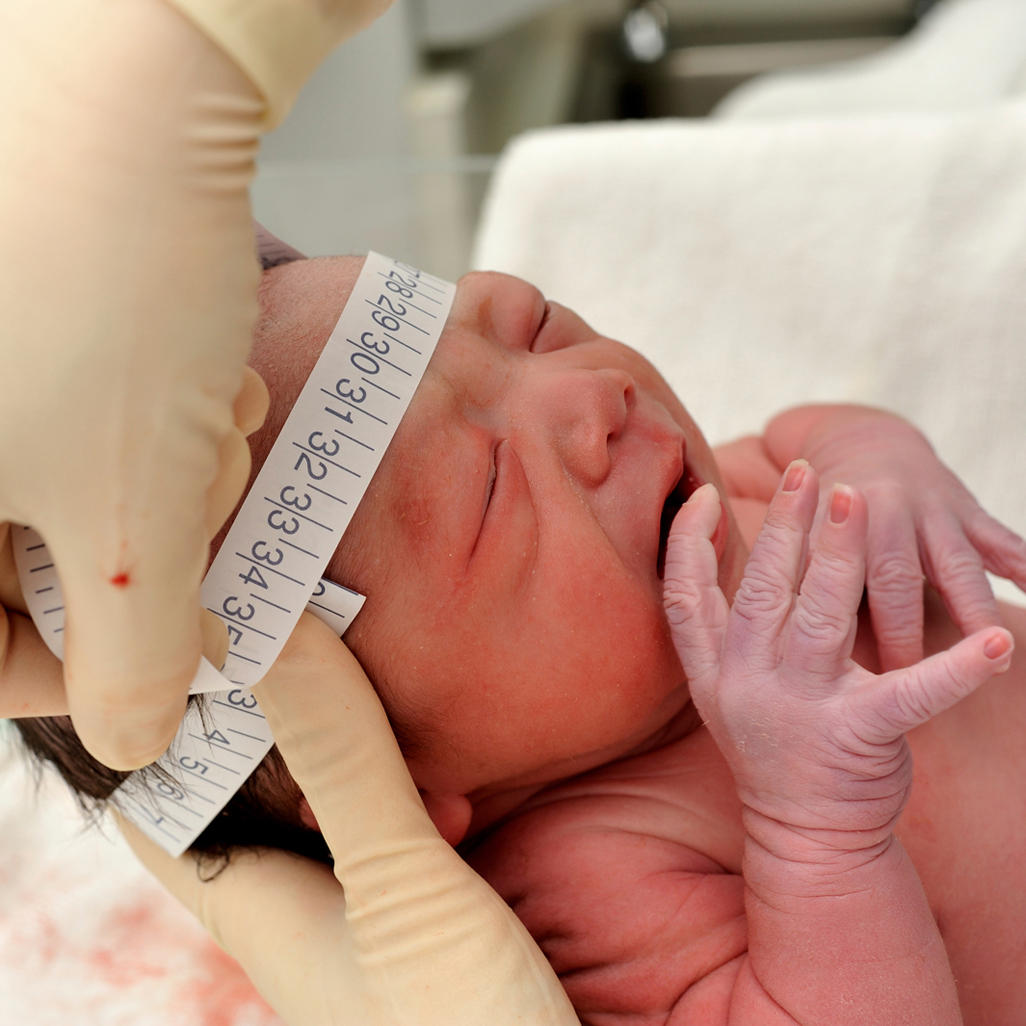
<point>392,142</point>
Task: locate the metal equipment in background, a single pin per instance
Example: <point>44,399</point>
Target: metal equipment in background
<point>679,58</point>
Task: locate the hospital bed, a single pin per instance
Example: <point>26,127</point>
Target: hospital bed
<point>845,234</point>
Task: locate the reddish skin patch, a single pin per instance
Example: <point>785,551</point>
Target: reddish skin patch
<point>121,580</point>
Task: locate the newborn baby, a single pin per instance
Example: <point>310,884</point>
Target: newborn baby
<point>513,547</point>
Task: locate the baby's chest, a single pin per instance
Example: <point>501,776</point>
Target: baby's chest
<point>630,919</point>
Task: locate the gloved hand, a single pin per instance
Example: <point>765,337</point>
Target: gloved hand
<point>127,142</point>
<point>404,933</point>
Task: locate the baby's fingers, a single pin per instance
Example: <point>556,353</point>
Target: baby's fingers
<point>826,611</point>
<point>894,580</point>
<point>956,569</point>
<point>1002,550</point>
<point>903,699</point>
<point>765,599</point>
<point>695,607</point>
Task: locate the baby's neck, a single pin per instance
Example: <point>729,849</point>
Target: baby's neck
<point>493,805</point>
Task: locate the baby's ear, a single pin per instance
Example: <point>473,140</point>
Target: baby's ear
<point>450,813</point>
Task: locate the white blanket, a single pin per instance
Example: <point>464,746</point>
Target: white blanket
<point>879,259</point>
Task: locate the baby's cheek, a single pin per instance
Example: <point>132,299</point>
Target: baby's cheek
<point>626,659</point>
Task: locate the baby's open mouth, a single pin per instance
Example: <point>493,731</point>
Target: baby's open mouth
<point>686,484</point>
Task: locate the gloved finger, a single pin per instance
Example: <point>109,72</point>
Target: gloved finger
<point>903,699</point>
<point>10,587</point>
<point>333,733</point>
<point>956,570</point>
<point>248,907</point>
<point>234,456</point>
<point>894,582</point>
<point>252,402</point>
<point>765,597</point>
<point>695,607</point>
<point>215,638</point>
<point>825,616</point>
<point>132,640</point>
<point>234,463</point>
<point>31,676</point>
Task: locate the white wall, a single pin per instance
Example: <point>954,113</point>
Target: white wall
<point>330,177</point>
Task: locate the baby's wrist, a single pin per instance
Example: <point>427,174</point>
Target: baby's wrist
<point>810,853</point>
<point>813,885</point>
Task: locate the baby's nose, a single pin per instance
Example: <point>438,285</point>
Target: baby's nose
<point>587,413</point>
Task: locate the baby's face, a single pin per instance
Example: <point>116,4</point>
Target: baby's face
<point>510,544</point>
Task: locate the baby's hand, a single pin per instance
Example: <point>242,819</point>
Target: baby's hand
<point>815,741</point>
<point>923,522</point>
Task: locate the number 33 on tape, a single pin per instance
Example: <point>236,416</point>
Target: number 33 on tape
<point>269,567</point>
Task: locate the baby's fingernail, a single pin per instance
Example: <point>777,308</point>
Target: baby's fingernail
<point>840,504</point>
<point>997,647</point>
<point>795,475</point>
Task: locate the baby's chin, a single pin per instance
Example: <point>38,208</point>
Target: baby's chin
<point>497,801</point>
<point>673,717</point>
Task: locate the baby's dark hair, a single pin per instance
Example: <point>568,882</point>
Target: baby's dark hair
<point>262,814</point>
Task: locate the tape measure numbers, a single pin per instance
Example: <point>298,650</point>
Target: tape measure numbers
<point>270,565</point>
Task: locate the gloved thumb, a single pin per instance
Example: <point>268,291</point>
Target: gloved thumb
<point>335,737</point>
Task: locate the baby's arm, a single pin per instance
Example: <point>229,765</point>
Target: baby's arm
<point>923,523</point>
<point>839,928</point>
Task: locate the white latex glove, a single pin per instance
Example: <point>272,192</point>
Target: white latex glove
<point>404,933</point>
<point>127,144</point>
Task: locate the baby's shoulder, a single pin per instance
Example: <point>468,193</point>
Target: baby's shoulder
<point>614,890</point>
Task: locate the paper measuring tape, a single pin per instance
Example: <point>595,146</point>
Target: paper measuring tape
<point>269,567</point>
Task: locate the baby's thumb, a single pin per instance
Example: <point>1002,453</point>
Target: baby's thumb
<point>695,607</point>
<point>905,699</point>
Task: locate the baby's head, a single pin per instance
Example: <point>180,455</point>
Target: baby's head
<point>510,544</point>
